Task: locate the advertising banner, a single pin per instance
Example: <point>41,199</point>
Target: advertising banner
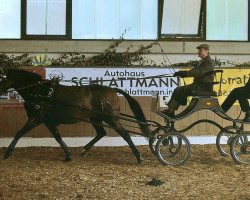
<point>135,81</point>
<point>144,81</point>
<point>231,78</point>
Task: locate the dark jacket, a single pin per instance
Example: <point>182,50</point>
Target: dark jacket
<point>203,76</point>
<point>202,84</point>
<point>201,71</point>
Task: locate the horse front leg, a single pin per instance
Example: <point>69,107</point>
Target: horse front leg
<point>58,138</point>
<point>30,124</point>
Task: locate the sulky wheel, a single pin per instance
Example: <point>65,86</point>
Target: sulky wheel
<point>156,134</point>
<point>240,148</point>
<point>173,149</point>
<point>224,140</point>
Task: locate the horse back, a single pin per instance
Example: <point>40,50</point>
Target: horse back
<point>94,97</point>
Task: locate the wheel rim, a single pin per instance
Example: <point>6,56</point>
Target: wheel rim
<point>240,149</point>
<point>224,140</point>
<point>157,134</point>
<point>175,152</point>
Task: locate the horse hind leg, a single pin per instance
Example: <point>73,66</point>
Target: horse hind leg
<point>100,133</point>
<point>58,138</point>
<point>116,125</point>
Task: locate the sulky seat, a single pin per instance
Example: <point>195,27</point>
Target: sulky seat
<point>201,100</point>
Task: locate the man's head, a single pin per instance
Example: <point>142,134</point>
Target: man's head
<point>203,50</point>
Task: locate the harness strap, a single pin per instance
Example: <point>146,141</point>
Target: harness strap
<point>34,105</point>
<point>36,94</point>
<point>109,104</point>
<point>52,88</point>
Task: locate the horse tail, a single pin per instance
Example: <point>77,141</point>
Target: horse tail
<point>138,113</point>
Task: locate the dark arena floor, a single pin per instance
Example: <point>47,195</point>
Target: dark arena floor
<point>113,173</point>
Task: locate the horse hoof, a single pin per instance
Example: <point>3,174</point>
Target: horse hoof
<point>6,156</point>
<point>140,161</point>
<point>7,153</point>
<point>84,153</point>
<point>67,159</point>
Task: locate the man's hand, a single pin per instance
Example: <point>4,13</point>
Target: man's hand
<point>181,74</point>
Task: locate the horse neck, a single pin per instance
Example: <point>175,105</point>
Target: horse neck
<point>25,89</point>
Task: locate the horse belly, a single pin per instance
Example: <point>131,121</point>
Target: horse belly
<point>69,114</point>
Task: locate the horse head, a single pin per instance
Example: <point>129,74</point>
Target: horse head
<point>5,84</point>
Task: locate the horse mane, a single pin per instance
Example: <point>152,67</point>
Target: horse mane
<point>23,74</point>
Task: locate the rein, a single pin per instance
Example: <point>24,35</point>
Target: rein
<point>127,79</point>
<point>94,81</point>
<point>28,86</point>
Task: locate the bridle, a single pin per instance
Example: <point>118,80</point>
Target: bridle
<point>3,80</point>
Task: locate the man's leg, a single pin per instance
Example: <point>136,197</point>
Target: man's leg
<point>234,95</point>
<point>179,97</point>
<point>173,105</point>
<point>242,95</point>
<point>244,104</point>
<point>243,100</point>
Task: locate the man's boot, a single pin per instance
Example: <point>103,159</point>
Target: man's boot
<point>172,107</point>
<point>247,116</point>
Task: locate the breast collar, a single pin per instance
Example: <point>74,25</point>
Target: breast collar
<point>50,92</point>
<point>52,88</point>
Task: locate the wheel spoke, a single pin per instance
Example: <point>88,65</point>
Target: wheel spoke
<point>173,149</point>
<point>238,149</point>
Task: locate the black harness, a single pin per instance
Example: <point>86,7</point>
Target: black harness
<point>53,87</point>
<point>36,96</point>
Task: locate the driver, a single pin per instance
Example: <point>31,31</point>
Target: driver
<point>202,83</point>
<point>241,94</point>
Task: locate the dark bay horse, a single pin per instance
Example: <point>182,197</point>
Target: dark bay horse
<point>48,102</point>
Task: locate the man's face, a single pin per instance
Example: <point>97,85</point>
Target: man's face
<point>202,53</point>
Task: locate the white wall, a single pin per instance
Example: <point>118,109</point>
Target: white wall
<point>237,52</point>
